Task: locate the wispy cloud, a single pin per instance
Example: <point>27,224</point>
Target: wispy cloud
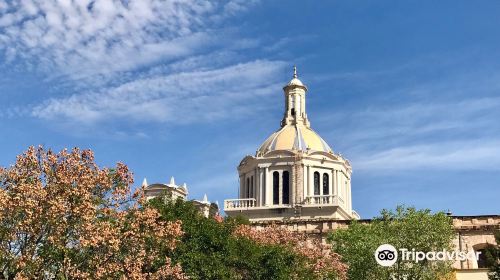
<point>449,155</point>
<point>134,61</point>
<point>181,97</point>
<point>462,117</point>
<point>445,123</point>
<point>460,135</point>
<point>79,39</point>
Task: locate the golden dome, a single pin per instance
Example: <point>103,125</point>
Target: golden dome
<point>294,137</point>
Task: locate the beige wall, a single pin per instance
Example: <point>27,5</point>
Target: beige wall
<point>474,233</point>
<point>472,274</point>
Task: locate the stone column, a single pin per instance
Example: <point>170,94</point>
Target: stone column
<point>304,105</point>
<point>259,187</point>
<point>288,104</point>
<point>334,182</point>
<point>268,187</point>
<point>304,183</point>
<point>320,182</point>
<point>349,200</point>
<point>299,183</point>
<point>242,187</point>
<point>280,187</point>
<point>344,190</point>
<point>309,181</point>
<point>339,184</point>
<point>330,184</point>
<point>254,186</point>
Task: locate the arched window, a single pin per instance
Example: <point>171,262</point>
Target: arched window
<point>482,261</point>
<point>486,257</point>
<point>276,187</point>
<point>316,183</point>
<point>286,188</point>
<point>248,188</point>
<point>326,184</point>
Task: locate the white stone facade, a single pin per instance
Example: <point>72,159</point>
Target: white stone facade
<point>157,189</point>
<point>294,173</point>
<point>175,192</point>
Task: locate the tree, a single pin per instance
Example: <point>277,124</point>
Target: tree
<point>61,216</point>
<point>404,228</point>
<point>492,258</point>
<point>203,247</point>
<point>211,249</point>
<point>316,260</point>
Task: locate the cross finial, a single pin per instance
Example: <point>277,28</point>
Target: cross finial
<point>295,71</point>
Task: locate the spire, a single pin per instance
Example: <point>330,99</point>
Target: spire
<point>205,198</point>
<point>144,182</point>
<point>184,188</point>
<point>172,181</point>
<point>295,102</point>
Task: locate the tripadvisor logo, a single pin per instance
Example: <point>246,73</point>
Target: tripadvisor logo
<point>387,255</point>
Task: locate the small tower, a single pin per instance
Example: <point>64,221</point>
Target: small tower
<point>295,102</point>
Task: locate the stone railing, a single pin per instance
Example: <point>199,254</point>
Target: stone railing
<point>230,204</point>
<point>321,200</point>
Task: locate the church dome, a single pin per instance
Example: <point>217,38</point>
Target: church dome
<point>294,137</point>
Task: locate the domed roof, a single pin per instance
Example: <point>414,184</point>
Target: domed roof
<point>295,82</point>
<point>294,137</point>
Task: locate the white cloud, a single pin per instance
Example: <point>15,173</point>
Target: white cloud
<point>182,97</point>
<point>445,155</point>
<point>448,124</point>
<point>457,135</point>
<point>408,121</point>
<point>86,38</point>
<point>139,61</point>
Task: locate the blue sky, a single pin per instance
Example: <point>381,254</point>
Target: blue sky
<point>407,90</point>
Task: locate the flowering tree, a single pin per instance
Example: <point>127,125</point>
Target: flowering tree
<point>320,261</point>
<point>61,216</point>
<point>406,227</point>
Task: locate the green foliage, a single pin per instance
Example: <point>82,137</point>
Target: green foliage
<point>403,228</point>
<point>208,249</point>
<point>492,255</point>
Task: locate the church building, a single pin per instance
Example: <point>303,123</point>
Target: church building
<point>294,173</point>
